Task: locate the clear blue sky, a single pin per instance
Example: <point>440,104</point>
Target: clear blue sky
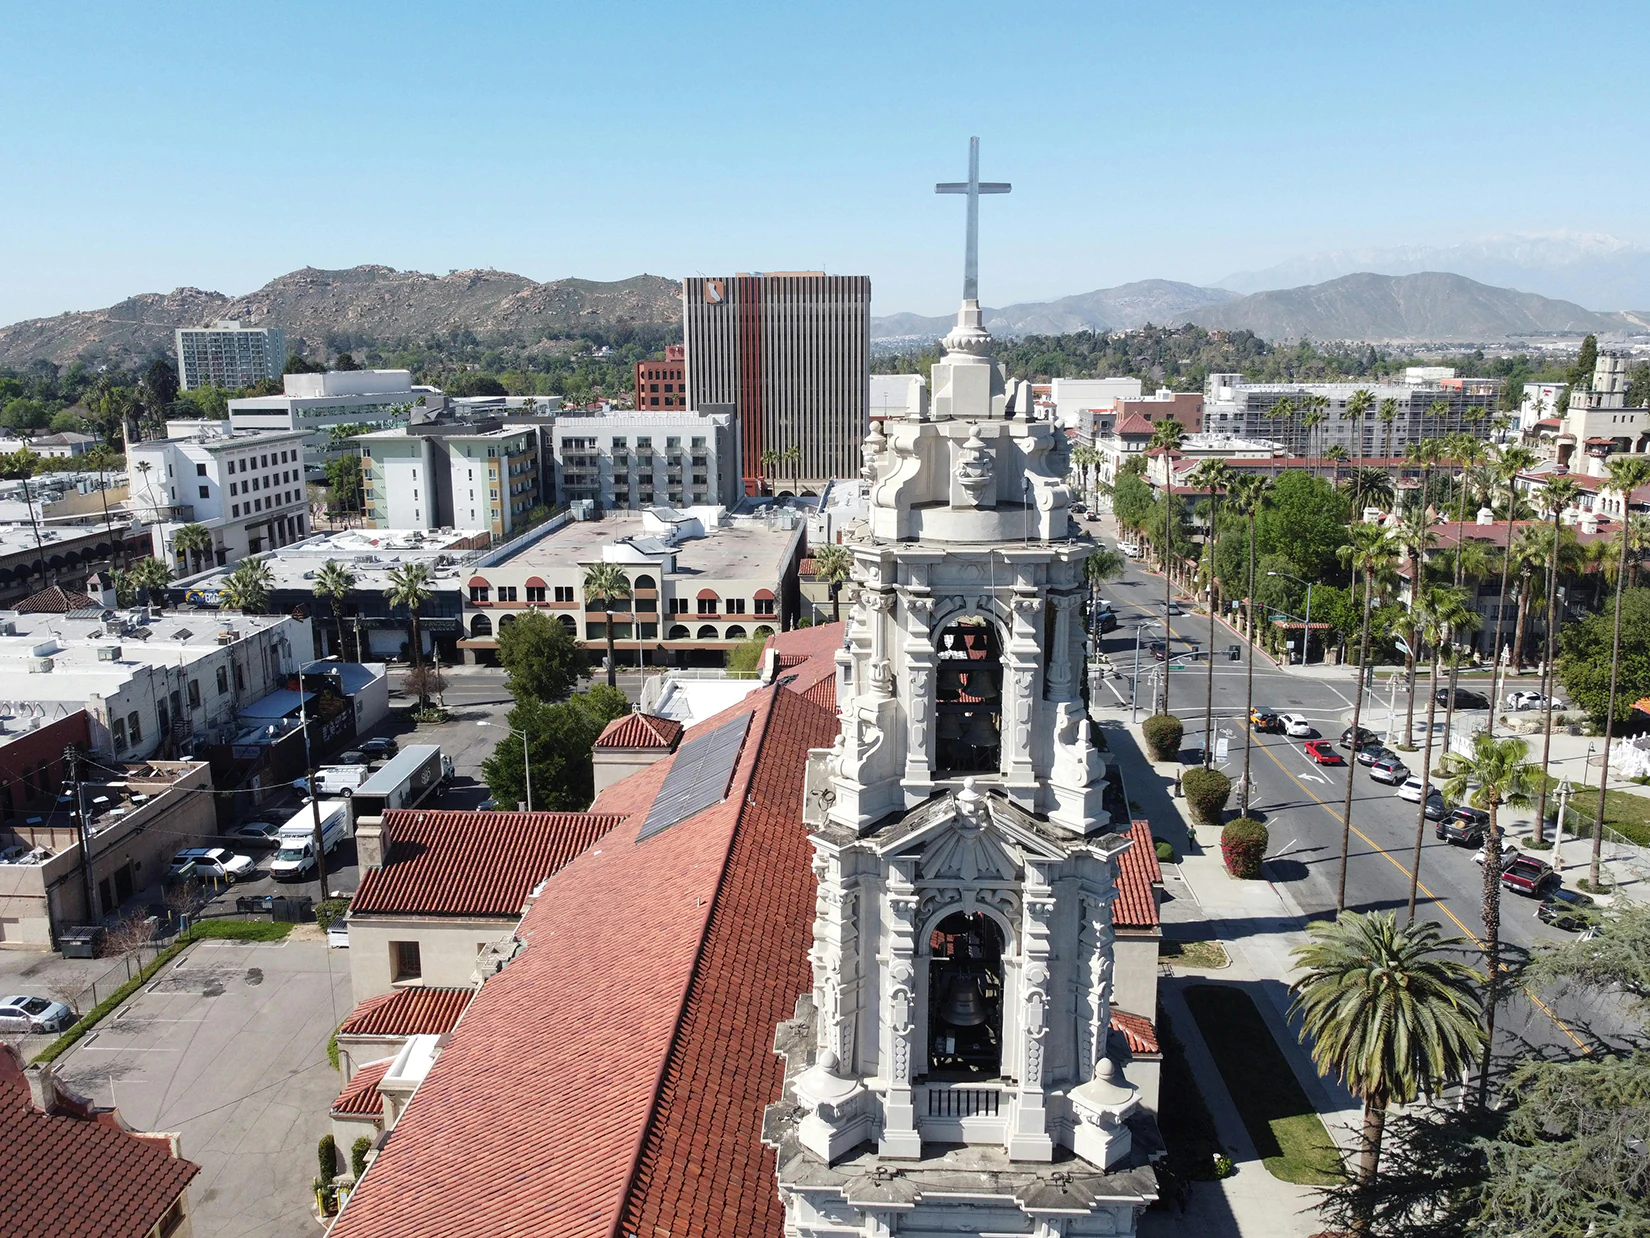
<point>146,146</point>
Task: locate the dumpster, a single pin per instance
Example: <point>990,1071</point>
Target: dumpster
<point>295,910</point>
<point>80,941</point>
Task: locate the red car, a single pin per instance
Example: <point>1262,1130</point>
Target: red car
<point>1323,752</point>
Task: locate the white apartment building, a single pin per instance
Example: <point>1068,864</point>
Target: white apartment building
<point>1236,407</point>
<point>1540,403</point>
<point>626,460</point>
<point>246,487</point>
<point>1598,423</point>
<point>151,686</point>
<point>229,355</point>
<point>1075,397</point>
<point>465,475</point>
<point>895,395</point>
<point>318,403</point>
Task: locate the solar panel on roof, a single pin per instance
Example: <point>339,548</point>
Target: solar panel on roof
<point>698,778</point>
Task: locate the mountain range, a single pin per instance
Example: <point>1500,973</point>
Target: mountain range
<point>1106,309</point>
<point>354,307</point>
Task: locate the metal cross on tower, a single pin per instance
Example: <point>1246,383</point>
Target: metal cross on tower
<point>973,188</point>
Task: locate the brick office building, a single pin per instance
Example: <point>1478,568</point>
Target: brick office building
<point>663,384</point>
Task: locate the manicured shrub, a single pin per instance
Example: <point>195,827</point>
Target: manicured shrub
<point>326,1155</point>
<point>358,1157</point>
<point>1206,793</point>
<point>1163,734</point>
<point>1165,851</point>
<point>1243,847</point>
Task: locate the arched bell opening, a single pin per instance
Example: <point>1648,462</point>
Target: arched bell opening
<point>968,699</point>
<point>965,999</point>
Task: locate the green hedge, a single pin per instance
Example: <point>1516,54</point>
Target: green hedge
<point>1163,734</point>
<point>1207,791</point>
<point>1243,846</point>
<point>1165,850</point>
<point>236,930</point>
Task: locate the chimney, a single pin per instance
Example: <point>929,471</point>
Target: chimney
<point>102,589</point>
<point>1486,516</point>
<point>47,1093</point>
<point>372,842</point>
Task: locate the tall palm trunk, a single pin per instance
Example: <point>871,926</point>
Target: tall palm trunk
<point>1426,786</point>
<point>1610,714</point>
<point>1249,705</point>
<point>1168,576</point>
<point>1500,621</point>
<point>1357,717</point>
<point>1209,702</point>
<point>1460,526</point>
<point>1492,944</point>
<point>418,657</point>
<point>1369,1157</point>
<point>338,625</point>
<point>1525,579</point>
<point>1547,690</point>
<point>1417,568</point>
<point>612,666</point>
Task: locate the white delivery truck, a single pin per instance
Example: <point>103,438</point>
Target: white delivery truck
<point>404,782</point>
<point>295,858</point>
<point>336,780</point>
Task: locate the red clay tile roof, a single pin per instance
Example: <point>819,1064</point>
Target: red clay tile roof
<point>1137,1030</point>
<point>360,1097</point>
<point>807,659</point>
<point>446,863</point>
<point>642,1084</point>
<point>56,601</point>
<point>408,1012</point>
<point>823,694</point>
<point>640,731</point>
<point>1138,877</point>
<point>1135,424</point>
<point>67,1176</point>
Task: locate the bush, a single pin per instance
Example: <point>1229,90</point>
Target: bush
<point>330,909</point>
<point>1163,734</point>
<point>358,1157</point>
<point>326,1155</point>
<point>1206,793</point>
<point>1165,851</point>
<point>1243,846</point>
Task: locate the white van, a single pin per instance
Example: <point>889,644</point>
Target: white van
<point>295,859</point>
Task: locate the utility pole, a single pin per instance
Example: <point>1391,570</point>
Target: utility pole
<point>71,758</point>
<point>314,796</point>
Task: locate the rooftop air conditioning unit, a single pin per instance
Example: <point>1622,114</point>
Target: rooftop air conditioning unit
<point>7,628</point>
<point>108,653</point>
<point>40,666</point>
<point>45,648</point>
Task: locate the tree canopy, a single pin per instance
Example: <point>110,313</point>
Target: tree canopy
<point>540,657</point>
<point>1584,658</point>
<point>560,737</point>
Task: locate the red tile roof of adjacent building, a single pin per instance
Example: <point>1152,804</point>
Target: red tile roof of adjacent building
<point>640,731</point>
<point>1137,1029</point>
<point>446,863</point>
<point>807,659</point>
<point>56,601</point>
<point>620,1064</point>
<point>1138,877</point>
<point>1133,424</point>
<point>408,1012</point>
<point>77,1173</point>
<point>360,1097</point>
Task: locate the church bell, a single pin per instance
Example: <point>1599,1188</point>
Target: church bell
<point>964,1004</point>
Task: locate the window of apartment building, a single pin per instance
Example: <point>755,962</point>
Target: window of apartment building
<point>764,606</point>
<point>405,961</point>
<point>678,606</point>
<point>265,463</point>
<point>707,606</point>
<point>595,631</point>
<point>134,728</point>
<point>205,493</point>
<point>645,605</point>
<point>698,444</point>
<point>478,593</point>
<point>736,606</point>
<point>673,444</point>
<point>619,442</point>
<point>117,728</point>
<point>535,593</point>
<point>701,479</point>
<point>194,694</point>
<point>653,386</point>
<point>699,462</point>
<point>223,681</point>
<point>564,593</point>
<point>506,593</point>
<point>644,442</point>
<point>200,470</point>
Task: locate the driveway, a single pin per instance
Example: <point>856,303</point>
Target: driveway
<point>227,1046</point>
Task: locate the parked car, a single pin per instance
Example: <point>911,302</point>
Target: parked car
<point>1438,808</point>
<point>383,746</point>
<point>1389,770</point>
<point>1159,650</point>
<point>1366,738</point>
<point>254,833</point>
<point>1570,910</point>
<point>1130,549</point>
<point>1465,827</point>
<point>1296,726</point>
<point>1321,752</point>
<point>1465,698</point>
<point>24,1013</point>
<point>1264,720</point>
<point>1528,700</point>
<point>1175,609</point>
<point>1371,753</point>
<point>1108,622</point>
<point>1509,853</point>
<point>218,862</point>
<point>1410,789</point>
<point>1528,876</point>
<point>353,757</point>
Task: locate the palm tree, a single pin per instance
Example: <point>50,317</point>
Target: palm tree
<point>1165,438</point>
<point>791,457</point>
<point>1390,1011</point>
<point>193,541</point>
<point>1316,413</point>
<point>247,587</point>
<point>1358,405</point>
<point>149,575</point>
<point>1557,495</point>
<point>1493,775</point>
<point>1474,562</point>
<point>1371,551</point>
<point>1283,410</point>
<point>1536,548</point>
<point>1368,486</point>
<point>769,464</point>
<point>334,582</point>
<point>1388,415</point>
<point>1509,461</point>
<point>1338,454</point>
<point>411,585</point>
<point>101,459</point>
<point>608,582</point>
<point>1627,474</point>
<point>1247,494</point>
<point>1212,475</point>
<point>1439,615</point>
<point>1415,538</point>
<point>20,466</point>
<point>834,565</point>
<point>1468,452</point>
<point>1086,460</point>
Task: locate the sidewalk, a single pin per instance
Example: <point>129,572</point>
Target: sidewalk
<point>1258,924</point>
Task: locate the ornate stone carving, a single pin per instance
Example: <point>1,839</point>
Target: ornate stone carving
<point>974,469</point>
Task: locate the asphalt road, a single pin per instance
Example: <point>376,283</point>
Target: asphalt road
<point>1302,803</point>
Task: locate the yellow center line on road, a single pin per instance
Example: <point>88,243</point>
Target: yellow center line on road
<point>1436,901</point>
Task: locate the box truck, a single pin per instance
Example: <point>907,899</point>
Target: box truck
<point>404,782</point>
<point>295,859</point>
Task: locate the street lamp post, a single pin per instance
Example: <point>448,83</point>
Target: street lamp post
<point>1558,827</point>
<point>1134,690</point>
<point>526,764</point>
<point>1306,639</point>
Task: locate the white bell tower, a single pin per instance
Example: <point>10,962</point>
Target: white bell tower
<point>949,1071</point>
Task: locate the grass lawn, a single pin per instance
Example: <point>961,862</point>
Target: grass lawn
<point>1286,1130</point>
<point>1202,954</point>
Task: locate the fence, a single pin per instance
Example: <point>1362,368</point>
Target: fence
<point>1621,860</point>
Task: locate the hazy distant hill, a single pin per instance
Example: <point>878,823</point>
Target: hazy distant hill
<point>1431,306</point>
<point>1107,309</point>
<point>365,304</point>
